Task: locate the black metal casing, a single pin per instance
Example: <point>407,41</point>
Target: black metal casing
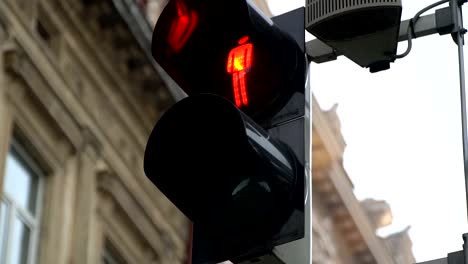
<point>236,172</point>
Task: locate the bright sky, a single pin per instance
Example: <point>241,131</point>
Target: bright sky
<point>403,133</point>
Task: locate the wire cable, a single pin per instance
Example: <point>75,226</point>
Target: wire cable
<point>411,26</point>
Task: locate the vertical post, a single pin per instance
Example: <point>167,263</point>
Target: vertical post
<point>6,120</point>
<point>83,249</point>
<point>458,37</point>
<point>59,206</point>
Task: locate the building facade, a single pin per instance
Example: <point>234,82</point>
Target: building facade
<point>345,229</point>
<point>78,99</point>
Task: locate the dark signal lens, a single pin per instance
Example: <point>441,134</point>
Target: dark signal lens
<point>211,161</point>
<point>236,54</point>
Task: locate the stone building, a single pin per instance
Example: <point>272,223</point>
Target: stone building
<point>344,229</point>
<point>79,95</point>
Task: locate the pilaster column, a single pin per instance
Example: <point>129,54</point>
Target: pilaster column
<point>58,213</point>
<point>85,236</point>
<point>6,117</point>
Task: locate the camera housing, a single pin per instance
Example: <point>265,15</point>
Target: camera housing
<point>365,31</point>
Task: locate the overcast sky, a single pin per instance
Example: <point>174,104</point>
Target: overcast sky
<point>403,133</point>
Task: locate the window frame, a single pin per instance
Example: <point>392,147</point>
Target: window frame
<point>33,222</point>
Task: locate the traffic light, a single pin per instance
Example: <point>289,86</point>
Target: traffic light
<point>231,156</point>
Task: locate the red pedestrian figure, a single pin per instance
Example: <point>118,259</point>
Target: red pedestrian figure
<point>182,27</point>
<point>239,63</point>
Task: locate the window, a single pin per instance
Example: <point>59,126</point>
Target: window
<point>19,209</point>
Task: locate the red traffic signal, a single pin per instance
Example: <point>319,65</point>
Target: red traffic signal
<point>238,64</point>
<point>228,48</point>
<point>212,154</point>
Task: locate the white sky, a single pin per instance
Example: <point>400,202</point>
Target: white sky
<point>403,133</point>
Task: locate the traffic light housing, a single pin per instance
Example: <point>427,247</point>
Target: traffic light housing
<point>194,41</point>
<point>230,156</point>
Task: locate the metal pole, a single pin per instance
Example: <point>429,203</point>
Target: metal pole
<point>461,63</point>
<point>457,16</point>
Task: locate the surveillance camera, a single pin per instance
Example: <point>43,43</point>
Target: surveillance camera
<point>365,31</point>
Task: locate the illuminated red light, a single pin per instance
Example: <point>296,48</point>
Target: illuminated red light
<point>238,64</point>
<point>182,27</point>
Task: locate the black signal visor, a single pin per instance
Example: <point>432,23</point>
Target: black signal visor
<point>227,48</point>
<point>223,173</point>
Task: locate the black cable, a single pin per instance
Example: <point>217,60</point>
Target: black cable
<point>410,40</point>
<point>411,26</point>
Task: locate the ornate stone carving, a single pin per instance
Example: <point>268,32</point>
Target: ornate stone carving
<point>90,143</point>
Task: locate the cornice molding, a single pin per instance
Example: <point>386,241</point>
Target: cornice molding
<point>21,70</point>
<point>41,119</point>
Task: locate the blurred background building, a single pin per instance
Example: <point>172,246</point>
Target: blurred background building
<point>345,229</point>
<point>79,95</point>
